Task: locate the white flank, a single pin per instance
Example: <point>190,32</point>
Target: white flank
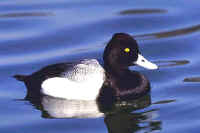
<point>81,83</point>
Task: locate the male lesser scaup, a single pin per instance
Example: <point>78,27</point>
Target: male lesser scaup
<point>88,80</point>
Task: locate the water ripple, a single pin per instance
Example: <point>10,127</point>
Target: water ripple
<point>192,79</point>
<point>173,33</point>
<point>172,63</point>
<point>26,14</point>
<point>142,11</point>
<point>44,55</point>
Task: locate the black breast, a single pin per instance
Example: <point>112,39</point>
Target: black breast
<point>128,86</point>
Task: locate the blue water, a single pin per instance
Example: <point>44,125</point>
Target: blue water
<point>34,34</point>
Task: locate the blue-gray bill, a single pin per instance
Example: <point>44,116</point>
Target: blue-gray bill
<point>141,61</point>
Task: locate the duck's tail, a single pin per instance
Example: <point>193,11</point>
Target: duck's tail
<point>20,77</point>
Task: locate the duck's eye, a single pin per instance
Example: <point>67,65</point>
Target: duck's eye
<point>127,50</point>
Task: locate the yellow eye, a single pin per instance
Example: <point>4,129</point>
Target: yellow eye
<point>127,50</point>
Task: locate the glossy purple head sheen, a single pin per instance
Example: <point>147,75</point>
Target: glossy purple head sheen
<point>122,51</point>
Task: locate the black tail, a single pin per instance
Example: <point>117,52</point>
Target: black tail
<point>20,77</point>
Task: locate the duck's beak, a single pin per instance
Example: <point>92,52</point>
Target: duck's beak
<point>141,61</point>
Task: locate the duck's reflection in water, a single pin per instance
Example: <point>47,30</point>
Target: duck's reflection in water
<point>131,122</point>
<point>62,108</point>
<point>125,119</point>
<point>120,117</point>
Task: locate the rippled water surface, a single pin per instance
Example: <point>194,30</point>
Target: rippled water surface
<point>38,33</point>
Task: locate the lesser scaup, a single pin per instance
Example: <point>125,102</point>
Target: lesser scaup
<point>88,80</point>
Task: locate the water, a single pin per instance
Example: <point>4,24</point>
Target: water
<point>34,34</point>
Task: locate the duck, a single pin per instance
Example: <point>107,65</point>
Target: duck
<point>88,79</point>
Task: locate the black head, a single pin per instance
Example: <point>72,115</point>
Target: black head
<point>122,51</point>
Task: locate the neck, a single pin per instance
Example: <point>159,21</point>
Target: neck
<point>116,69</point>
